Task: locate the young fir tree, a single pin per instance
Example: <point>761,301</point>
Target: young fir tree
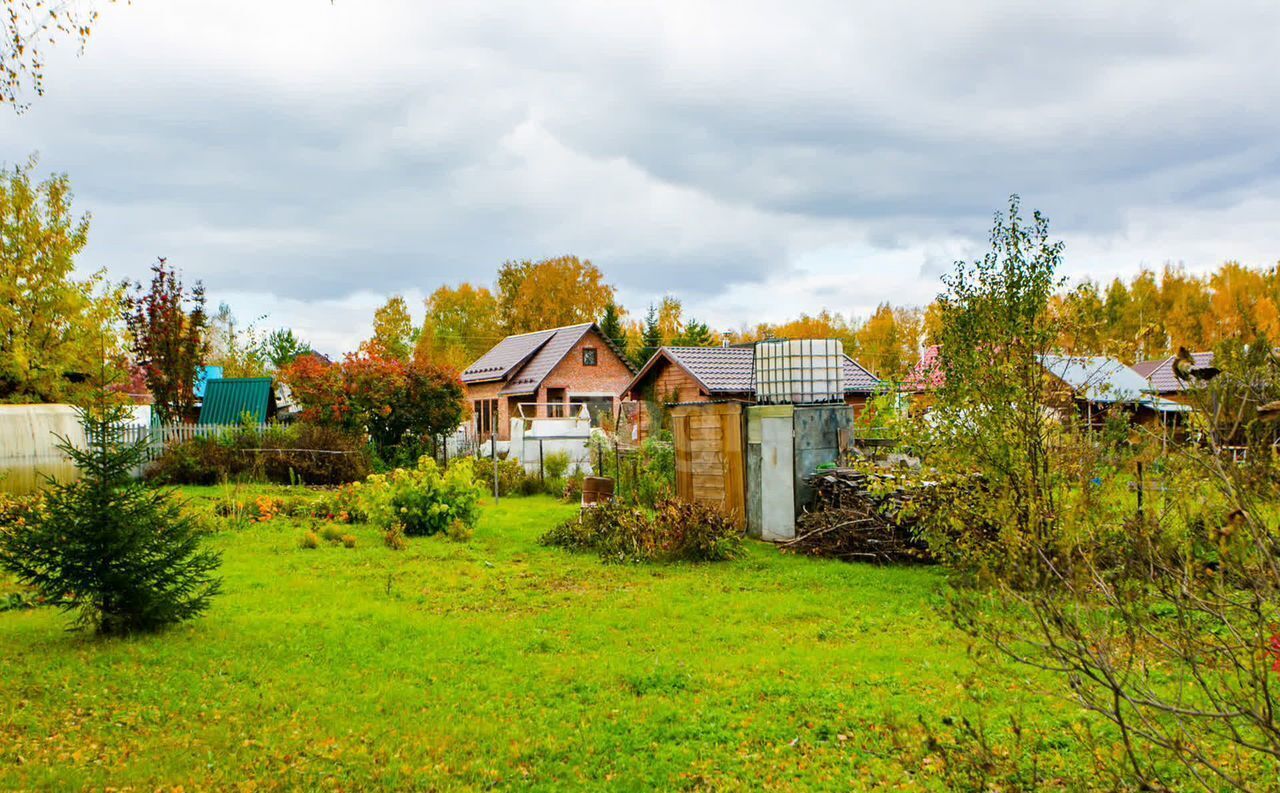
<point>611,326</point>
<point>652,335</point>
<point>122,557</point>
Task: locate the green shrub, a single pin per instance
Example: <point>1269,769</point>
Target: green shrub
<point>459,531</point>
<point>655,471</point>
<point>645,475</point>
<point>511,476</point>
<point>423,499</point>
<point>331,533</point>
<point>572,491</point>
<point>310,541</point>
<point>676,531</point>
<point>556,465</point>
<point>341,505</point>
<point>554,486</point>
<point>300,453</point>
<point>348,541</point>
<point>531,485</point>
<point>394,538</point>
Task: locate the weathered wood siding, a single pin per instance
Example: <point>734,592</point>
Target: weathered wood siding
<point>664,384</point>
<point>710,466</point>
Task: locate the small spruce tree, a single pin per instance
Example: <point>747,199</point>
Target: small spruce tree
<point>652,336</point>
<point>121,557</point>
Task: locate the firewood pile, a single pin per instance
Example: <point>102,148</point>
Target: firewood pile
<point>858,516</point>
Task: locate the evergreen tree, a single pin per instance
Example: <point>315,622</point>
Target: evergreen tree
<point>611,326</point>
<point>695,334</point>
<point>283,347</point>
<point>122,557</point>
<point>652,335</point>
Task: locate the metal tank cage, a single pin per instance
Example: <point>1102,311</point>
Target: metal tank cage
<point>799,371</point>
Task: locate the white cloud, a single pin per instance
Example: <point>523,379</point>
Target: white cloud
<point>756,160</point>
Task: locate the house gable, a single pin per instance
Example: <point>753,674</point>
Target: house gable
<point>603,378</point>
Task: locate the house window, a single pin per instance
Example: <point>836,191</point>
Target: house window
<point>555,402</point>
<point>486,411</point>
<point>588,356</point>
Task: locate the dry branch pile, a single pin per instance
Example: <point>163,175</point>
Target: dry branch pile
<point>859,516</point>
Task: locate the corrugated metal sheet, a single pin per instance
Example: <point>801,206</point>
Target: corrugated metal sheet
<point>227,400</point>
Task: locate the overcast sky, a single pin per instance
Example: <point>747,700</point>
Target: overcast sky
<point>755,159</point>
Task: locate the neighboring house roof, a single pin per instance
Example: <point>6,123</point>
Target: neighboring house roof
<point>523,361</point>
<point>1159,373</point>
<point>228,399</point>
<point>1097,378</point>
<point>203,375</point>
<point>731,370</point>
<point>927,374</point>
<point>858,380</point>
<point>1145,368</point>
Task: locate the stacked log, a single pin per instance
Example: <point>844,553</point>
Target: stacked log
<point>859,516</point>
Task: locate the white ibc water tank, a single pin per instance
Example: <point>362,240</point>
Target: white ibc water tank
<point>799,371</point>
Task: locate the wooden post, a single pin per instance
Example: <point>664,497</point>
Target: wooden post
<point>1140,489</point>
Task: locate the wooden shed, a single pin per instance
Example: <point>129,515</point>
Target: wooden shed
<point>710,463</point>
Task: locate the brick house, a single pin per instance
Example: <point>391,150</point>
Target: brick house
<point>545,374</point>
<point>714,374</point>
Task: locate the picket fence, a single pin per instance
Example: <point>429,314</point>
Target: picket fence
<point>158,437</point>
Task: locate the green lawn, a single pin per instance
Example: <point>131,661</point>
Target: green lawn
<point>501,663</point>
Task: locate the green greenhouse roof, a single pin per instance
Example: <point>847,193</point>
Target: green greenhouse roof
<point>228,399</point>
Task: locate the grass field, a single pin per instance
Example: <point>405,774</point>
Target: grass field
<point>501,663</point>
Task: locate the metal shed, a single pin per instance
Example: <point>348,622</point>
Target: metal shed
<point>228,400</point>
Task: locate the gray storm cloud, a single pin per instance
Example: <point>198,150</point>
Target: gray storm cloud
<point>307,152</point>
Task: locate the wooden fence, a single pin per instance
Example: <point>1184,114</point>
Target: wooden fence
<point>709,458</point>
<point>159,437</point>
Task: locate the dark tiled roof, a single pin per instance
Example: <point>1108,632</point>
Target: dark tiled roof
<point>1160,373</point>
<point>730,370</point>
<point>1145,368</point>
<point>857,379</point>
<point>718,369</point>
<point>505,356</point>
<point>531,375</point>
<point>524,361</point>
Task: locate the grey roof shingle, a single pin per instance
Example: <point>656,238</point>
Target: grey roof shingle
<point>731,370</point>
<point>1160,372</point>
<point>505,356</point>
<point>531,375</point>
<point>857,379</point>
